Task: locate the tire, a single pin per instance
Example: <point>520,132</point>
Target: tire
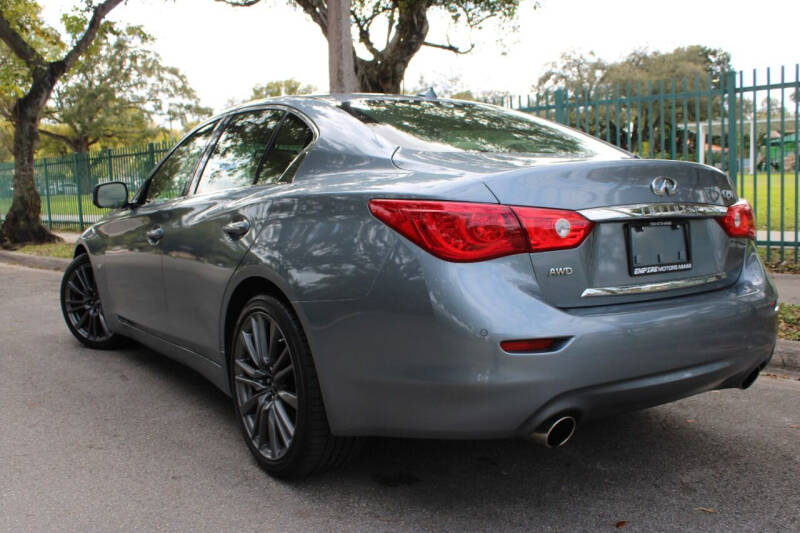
<point>276,394</point>
<point>82,309</point>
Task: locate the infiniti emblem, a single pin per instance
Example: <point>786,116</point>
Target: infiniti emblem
<point>664,186</point>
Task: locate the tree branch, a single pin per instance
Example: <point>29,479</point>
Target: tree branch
<point>18,45</point>
<point>450,47</point>
<point>83,43</point>
<point>58,136</point>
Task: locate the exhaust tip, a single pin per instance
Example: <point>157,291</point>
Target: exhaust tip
<point>556,434</point>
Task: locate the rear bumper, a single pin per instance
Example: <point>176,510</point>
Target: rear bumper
<point>422,358</point>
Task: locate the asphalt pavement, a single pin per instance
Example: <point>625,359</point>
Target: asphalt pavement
<point>123,440</point>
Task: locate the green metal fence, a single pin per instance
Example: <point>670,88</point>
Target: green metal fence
<point>745,127</point>
<point>65,183</point>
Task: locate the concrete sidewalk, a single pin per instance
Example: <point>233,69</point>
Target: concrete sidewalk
<point>788,288</point>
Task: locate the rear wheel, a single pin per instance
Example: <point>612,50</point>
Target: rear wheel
<point>82,308</point>
<point>277,396</point>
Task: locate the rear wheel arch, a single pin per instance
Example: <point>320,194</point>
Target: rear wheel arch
<point>246,289</point>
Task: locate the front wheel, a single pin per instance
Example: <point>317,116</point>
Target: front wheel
<point>83,311</point>
<point>277,395</point>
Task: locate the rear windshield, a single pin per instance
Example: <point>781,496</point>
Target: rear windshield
<point>442,125</point>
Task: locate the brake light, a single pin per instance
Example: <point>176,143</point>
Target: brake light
<point>454,231</point>
<point>468,232</point>
<point>553,229</point>
<point>739,220</point>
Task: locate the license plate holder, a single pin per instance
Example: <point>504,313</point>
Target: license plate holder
<point>657,247</point>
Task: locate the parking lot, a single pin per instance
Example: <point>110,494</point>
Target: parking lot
<point>99,441</point>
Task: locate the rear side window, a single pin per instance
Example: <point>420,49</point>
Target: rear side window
<point>291,139</point>
<point>171,178</point>
<point>239,150</point>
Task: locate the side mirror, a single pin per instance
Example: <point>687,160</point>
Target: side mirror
<point>111,195</point>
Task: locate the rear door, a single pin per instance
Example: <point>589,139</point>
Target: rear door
<point>207,233</point>
<point>132,260</point>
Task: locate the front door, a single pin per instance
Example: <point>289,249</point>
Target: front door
<point>131,265</point>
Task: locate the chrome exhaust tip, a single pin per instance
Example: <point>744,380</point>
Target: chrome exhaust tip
<point>556,433</point>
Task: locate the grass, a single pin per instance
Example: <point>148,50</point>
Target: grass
<point>759,197</point>
<point>51,249</point>
<point>789,324</point>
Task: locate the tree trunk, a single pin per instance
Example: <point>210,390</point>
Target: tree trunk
<point>23,223</point>
<point>384,73</point>
<point>340,48</point>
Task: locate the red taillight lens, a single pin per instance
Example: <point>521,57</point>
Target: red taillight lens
<point>739,221</point>
<point>553,229</point>
<point>454,231</point>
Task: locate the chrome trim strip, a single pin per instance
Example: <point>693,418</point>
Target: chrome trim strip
<point>655,210</point>
<point>644,288</point>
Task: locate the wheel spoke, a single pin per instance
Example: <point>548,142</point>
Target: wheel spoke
<point>103,326</point>
<point>261,422</point>
<point>247,381</point>
<point>251,402</point>
<point>251,350</point>
<point>273,437</point>
<point>262,343</point>
<point>76,289</point>
<point>83,320</point>
<point>273,340</point>
<point>281,358</point>
<point>285,423</point>
<point>278,377</point>
<point>249,370</point>
<point>288,398</point>
<point>84,281</point>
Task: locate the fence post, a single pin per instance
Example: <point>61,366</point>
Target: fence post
<point>47,195</point>
<point>151,151</point>
<point>110,166</point>
<point>559,103</point>
<point>76,171</point>
<point>733,157</point>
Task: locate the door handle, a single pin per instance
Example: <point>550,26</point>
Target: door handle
<point>154,235</point>
<point>236,230</point>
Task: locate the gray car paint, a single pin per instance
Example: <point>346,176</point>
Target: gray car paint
<point>407,344</point>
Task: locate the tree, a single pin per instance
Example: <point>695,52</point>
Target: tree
<point>117,91</point>
<point>18,20</point>
<point>406,31</point>
<point>275,88</point>
<point>575,72</point>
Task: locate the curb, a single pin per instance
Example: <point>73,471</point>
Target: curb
<point>34,261</point>
<point>786,356</point>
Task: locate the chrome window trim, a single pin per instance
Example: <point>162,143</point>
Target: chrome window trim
<point>659,286</point>
<point>654,210</point>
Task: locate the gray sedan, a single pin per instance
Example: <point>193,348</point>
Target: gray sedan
<point>350,266</point>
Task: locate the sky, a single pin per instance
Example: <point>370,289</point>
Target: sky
<point>225,51</point>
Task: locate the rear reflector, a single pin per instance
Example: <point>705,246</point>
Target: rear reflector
<point>468,232</point>
<point>739,221</point>
<point>527,345</point>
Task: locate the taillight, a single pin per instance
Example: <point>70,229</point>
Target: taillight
<point>739,220</point>
<point>452,230</point>
<point>553,229</point>
<point>468,232</point>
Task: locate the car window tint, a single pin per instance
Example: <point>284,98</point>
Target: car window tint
<point>293,136</point>
<point>235,158</point>
<point>170,180</point>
